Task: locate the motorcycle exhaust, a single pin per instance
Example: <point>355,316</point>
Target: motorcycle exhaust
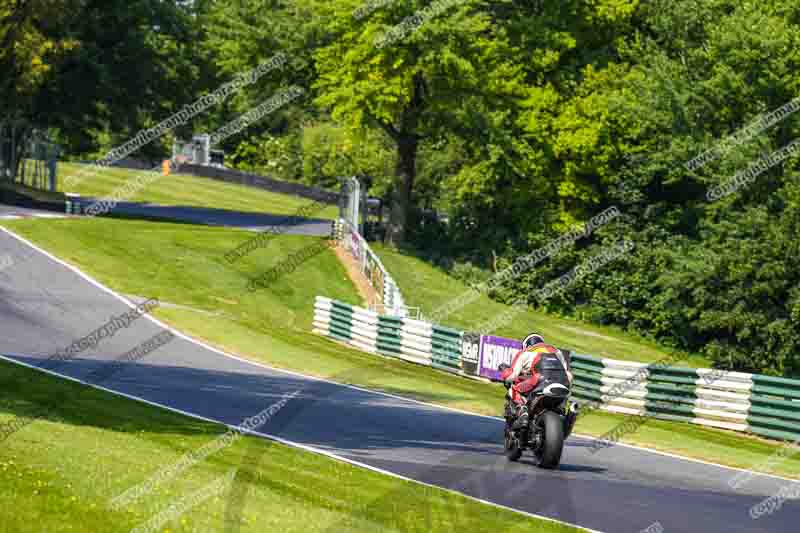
<point>569,420</point>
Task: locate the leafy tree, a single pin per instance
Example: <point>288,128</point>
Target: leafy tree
<point>83,68</point>
<point>278,157</point>
<point>414,82</point>
<point>331,152</point>
<point>33,43</point>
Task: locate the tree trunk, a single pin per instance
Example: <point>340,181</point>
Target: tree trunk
<point>407,140</point>
<point>403,187</point>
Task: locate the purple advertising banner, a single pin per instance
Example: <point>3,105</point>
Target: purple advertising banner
<point>494,352</point>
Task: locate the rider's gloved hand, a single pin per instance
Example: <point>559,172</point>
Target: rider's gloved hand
<point>503,367</point>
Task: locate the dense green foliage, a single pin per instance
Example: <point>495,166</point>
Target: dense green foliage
<point>96,73</point>
<point>517,119</point>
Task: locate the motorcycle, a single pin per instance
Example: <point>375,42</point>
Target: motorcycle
<point>551,416</point>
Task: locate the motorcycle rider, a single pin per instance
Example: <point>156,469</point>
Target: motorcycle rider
<point>521,377</point>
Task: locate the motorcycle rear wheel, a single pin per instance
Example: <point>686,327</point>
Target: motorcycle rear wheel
<point>548,454</point>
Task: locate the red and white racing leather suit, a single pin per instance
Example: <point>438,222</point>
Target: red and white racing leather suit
<point>524,363</point>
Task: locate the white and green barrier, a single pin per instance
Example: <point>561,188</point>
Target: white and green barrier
<point>73,204</point>
<point>687,395</point>
<point>751,403</point>
<point>737,401</point>
<point>404,338</point>
<point>774,407</point>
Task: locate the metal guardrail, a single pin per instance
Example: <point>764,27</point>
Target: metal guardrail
<point>737,401</point>
<point>405,338</point>
<point>372,267</point>
<point>750,403</point>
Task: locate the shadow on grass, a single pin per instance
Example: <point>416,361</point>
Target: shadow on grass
<point>215,217</point>
<point>31,396</point>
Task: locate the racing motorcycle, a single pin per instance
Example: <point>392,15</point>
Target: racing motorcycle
<point>551,415</point>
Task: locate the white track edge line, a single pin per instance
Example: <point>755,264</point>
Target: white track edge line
<point>290,443</point>
<point>177,333</point>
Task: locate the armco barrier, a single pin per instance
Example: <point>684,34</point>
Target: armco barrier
<point>404,338</point>
<point>775,407</point>
<point>751,403</point>
<point>446,348</point>
<point>371,266</point>
<point>73,204</point>
<point>761,405</point>
<point>671,393</point>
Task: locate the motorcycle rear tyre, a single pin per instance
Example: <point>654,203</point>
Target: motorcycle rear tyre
<point>549,453</point>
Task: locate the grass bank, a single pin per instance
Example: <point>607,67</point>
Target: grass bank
<point>428,287</point>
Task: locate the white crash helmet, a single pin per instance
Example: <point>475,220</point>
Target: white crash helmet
<point>532,340</point>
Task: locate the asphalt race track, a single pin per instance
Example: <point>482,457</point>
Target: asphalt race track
<point>44,307</point>
<point>195,215</point>
<point>210,216</point>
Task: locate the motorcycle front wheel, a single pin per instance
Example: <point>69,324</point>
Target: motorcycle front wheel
<point>548,453</point>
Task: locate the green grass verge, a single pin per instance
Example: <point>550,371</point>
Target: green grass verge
<point>428,287</point>
<point>186,190</point>
<point>60,473</point>
<point>184,265</point>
